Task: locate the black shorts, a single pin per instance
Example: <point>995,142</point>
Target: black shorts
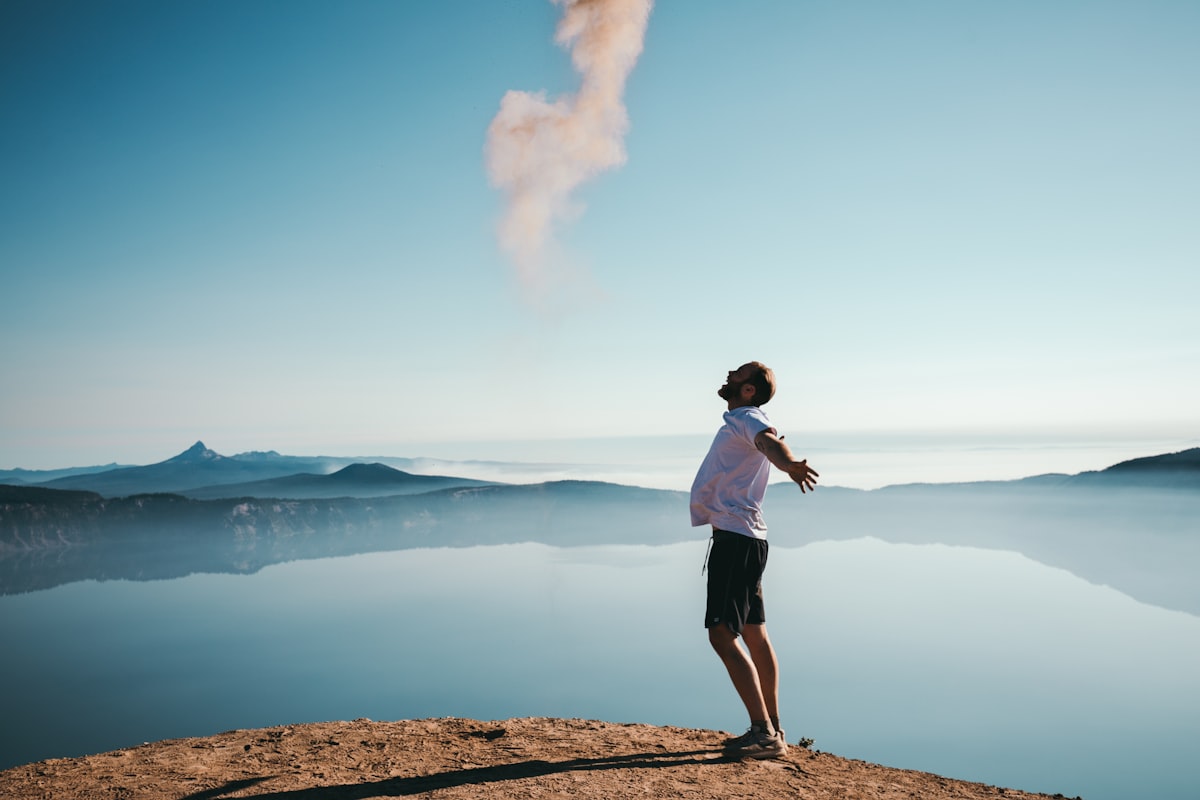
<point>735,568</point>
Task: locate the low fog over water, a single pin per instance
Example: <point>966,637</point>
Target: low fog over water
<point>854,459</point>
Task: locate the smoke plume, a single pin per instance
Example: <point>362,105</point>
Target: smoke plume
<point>538,151</point>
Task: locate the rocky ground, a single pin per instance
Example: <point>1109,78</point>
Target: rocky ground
<point>458,758</point>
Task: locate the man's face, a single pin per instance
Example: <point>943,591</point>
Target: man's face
<point>732,390</point>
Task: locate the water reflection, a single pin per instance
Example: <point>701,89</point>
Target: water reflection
<point>970,663</point>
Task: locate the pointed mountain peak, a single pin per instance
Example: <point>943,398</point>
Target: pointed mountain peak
<point>195,454</point>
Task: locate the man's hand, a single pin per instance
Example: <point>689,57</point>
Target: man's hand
<point>772,446</point>
<point>803,474</point>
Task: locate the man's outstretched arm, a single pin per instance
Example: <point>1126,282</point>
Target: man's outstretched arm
<point>772,446</point>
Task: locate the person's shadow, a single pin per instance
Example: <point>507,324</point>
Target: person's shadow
<point>420,784</point>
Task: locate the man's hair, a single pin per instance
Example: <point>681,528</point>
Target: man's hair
<point>763,381</point>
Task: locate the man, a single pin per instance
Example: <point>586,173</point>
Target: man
<point>727,494</point>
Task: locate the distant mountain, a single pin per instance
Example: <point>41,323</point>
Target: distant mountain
<point>15,476</point>
<point>1179,470</point>
<point>198,466</point>
<point>355,480</point>
<point>1173,470</point>
<point>199,469</point>
<point>194,466</point>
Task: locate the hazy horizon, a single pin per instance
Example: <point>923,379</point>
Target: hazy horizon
<point>858,460</point>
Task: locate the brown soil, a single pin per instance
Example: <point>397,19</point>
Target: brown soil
<point>457,758</point>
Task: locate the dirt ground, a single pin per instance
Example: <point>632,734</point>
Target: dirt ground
<point>458,758</point>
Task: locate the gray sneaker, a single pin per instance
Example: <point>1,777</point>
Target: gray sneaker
<point>756,743</point>
<point>744,737</point>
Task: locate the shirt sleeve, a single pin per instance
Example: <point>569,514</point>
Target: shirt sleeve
<point>752,422</point>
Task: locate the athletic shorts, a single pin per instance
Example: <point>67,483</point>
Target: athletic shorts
<point>735,568</point>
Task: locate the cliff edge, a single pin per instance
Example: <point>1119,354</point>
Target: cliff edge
<point>458,758</point>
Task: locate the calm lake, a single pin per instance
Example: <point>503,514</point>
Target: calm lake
<point>975,664</point>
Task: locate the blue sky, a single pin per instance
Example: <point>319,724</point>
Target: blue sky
<point>268,225</point>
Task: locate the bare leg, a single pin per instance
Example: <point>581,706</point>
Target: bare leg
<point>765,665</point>
<point>742,672</point>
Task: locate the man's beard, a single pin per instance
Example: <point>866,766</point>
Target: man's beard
<point>729,391</point>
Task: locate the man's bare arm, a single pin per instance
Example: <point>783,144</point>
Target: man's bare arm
<point>778,453</point>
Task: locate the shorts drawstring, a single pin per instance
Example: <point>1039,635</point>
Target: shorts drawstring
<point>706,553</point>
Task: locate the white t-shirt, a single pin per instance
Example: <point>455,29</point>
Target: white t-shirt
<point>729,488</point>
